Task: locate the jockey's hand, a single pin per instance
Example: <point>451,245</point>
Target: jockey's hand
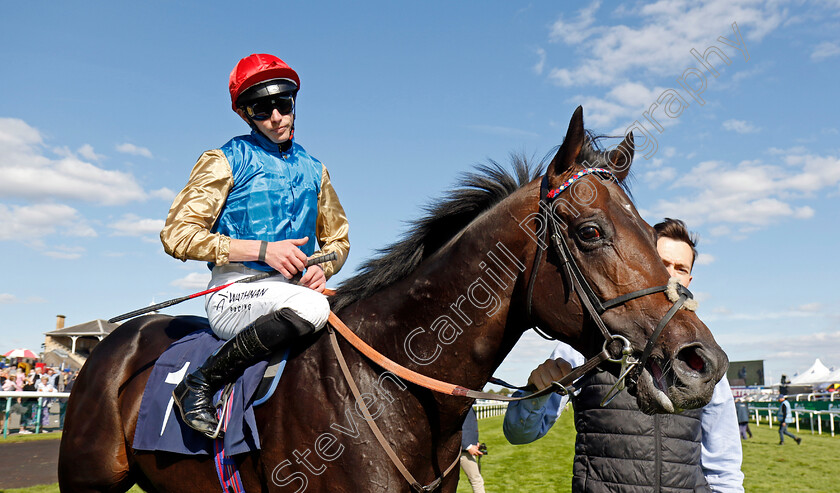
<point>314,278</point>
<point>473,450</point>
<point>551,370</point>
<point>285,257</point>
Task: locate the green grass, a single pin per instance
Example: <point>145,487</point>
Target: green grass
<point>541,466</point>
<point>16,438</point>
<point>546,465</point>
<point>810,467</point>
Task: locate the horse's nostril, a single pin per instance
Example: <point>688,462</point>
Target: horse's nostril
<point>692,359</point>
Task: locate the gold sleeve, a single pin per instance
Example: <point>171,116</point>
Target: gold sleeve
<point>186,234</point>
<point>332,228</point>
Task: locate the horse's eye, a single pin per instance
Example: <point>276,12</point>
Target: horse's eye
<point>589,233</point>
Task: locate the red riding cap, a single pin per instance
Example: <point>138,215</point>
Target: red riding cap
<point>257,68</point>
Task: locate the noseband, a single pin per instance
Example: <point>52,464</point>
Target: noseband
<point>617,349</point>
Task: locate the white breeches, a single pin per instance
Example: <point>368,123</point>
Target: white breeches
<point>231,309</point>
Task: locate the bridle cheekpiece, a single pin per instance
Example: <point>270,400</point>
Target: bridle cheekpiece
<point>617,348</point>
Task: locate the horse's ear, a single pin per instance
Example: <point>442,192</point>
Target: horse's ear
<point>572,144</point>
<point>621,157</point>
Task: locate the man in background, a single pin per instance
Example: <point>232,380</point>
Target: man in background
<point>618,447</point>
<point>785,417</point>
<point>470,452</point>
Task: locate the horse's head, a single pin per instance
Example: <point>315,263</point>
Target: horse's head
<point>597,249</point>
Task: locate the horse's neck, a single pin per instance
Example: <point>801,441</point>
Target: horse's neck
<point>451,318</point>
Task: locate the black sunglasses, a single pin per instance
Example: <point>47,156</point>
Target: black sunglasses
<point>262,108</point>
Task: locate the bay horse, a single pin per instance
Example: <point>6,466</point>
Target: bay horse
<point>449,301</point>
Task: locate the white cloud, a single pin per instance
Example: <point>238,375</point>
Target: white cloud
<point>577,30</point>
<point>704,259</point>
<point>826,49</point>
<point>28,173</point>
<point>624,101</point>
<point>809,307</point>
<point>655,42</point>
<point>702,296</point>
<point>87,152</point>
<point>33,222</point>
<point>163,194</point>
<point>659,176</point>
<point>540,65</point>
<point>720,231</point>
<point>10,299</point>
<point>65,253</point>
<point>131,225</point>
<point>660,45</point>
<point>740,126</point>
<point>798,351</point>
<point>7,299</point>
<point>751,194</point>
<point>17,136</point>
<point>134,150</point>
<point>193,281</point>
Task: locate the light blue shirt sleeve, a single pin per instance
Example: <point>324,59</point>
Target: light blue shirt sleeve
<point>720,455</point>
<point>529,420</point>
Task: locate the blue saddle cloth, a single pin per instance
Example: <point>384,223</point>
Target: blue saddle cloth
<point>159,424</point>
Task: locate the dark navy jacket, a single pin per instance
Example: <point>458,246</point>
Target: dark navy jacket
<point>469,432</point>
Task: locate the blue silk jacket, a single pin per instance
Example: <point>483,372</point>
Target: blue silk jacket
<point>251,190</point>
<point>274,195</point>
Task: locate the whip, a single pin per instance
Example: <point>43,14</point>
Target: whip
<point>264,275</point>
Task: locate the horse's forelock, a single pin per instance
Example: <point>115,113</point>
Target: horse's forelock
<point>593,155</point>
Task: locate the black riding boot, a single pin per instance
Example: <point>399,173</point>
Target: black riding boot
<point>194,395</point>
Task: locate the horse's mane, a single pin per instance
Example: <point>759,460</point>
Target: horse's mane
<point>475,193</point>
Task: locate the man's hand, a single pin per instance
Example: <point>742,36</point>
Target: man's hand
<point>473,450</point>
<point>550,371</point>
<point>314,278</point>
<point>285,257</point>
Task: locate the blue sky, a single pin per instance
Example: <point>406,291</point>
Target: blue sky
<point>106,106</point>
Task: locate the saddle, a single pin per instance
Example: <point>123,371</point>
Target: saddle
<point>159,426</point>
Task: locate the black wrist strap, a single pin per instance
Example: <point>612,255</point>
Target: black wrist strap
<point>263,247</point>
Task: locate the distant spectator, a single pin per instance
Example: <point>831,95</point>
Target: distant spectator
<point>26,407</point>
<point>9,385</point>
<point>470,451</point>
<point>45,386</point>
<point>69,380</point>
<point>743,418</point>
<point>785,417</point>
<point>20,379</point>
<point>54,377</point>
<point>22,409</point>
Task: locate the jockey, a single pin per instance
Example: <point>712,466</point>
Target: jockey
<point>259,203</point>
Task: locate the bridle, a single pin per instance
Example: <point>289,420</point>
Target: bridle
<point>617,348</point>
